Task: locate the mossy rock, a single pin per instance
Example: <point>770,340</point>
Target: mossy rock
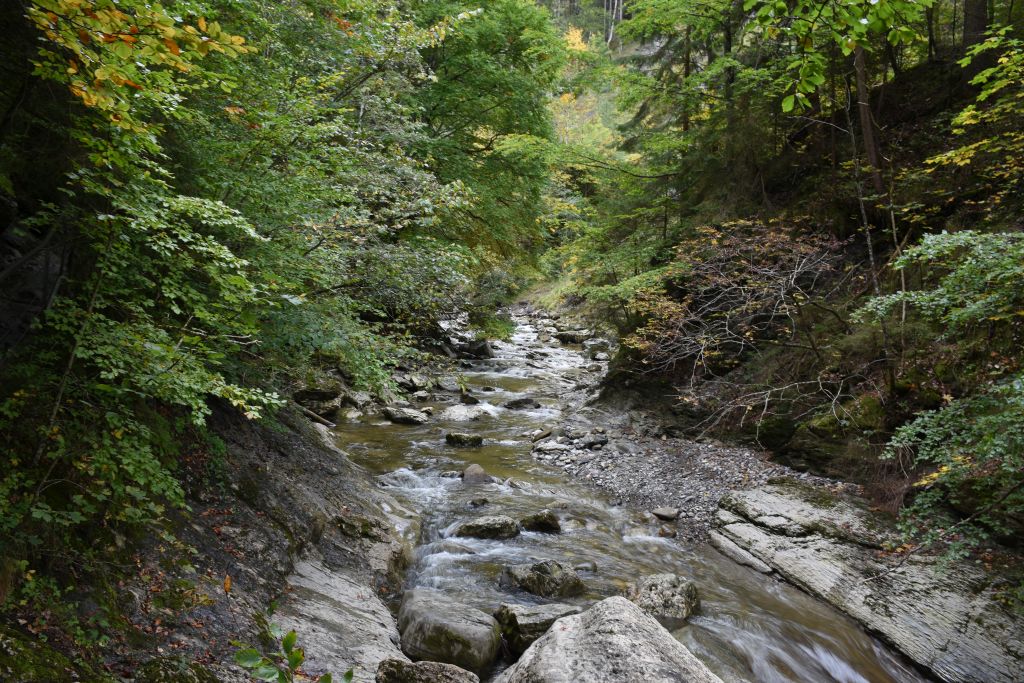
<point>174,670</point>
<point>26,660</point>
<point>775,432</point>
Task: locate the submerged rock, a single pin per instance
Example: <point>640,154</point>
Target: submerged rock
<point>436,628</point>
<point>544,521</point>
<point>612,641</point>
<point>666,596</point>
<point>548,578</point>
<point>523,624</point>
<point>948,620</point>
<point>463,440</point>
<point>398,671</point>
<point>492,526</point>
<point>408,416</point>
<point>522,403</point>
<point>573,336</point>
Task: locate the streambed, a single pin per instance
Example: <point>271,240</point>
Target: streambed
<point>750,627</point>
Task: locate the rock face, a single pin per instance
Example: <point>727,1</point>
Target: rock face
<point>947,622</point>
<point>544,521</point>
<point>463,440</point>
<point>612,641</point>
<point>666,596</point>
<point>342,623</point>
<point>523,624</point>
<point>493,526</point>
<point>400,671</point>
<point>549,579</point>
<point>405,416</point>
<point>436,628</point>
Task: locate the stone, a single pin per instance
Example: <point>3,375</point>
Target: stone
<point>449,384</point>
<point>468,399</point>
<point>612,641</point>
<point>573,336</point>
<point>463,413</point>
<point>593,441</point>
<point>665,596</point>
<point>475,474</point>
<point>479,502</point>
<point>523,624</point>
<point>544,521</point>
<point>601,356</point>
<point>463,440</point>
<point>551,447</point>
<point>522,403</point>
<point>480,348</point>
<point>399,671</point>
<point>407,416</point>
<point>666,514</point>
<point>548,579</point>
<point>436,628</point>
<point>947,619</point>
<point>492,526</point>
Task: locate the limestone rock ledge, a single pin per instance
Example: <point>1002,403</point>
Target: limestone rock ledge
<point>947,620</point>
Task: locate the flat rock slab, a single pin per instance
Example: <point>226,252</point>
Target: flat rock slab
<point>406,416</point>
<point>341,623</point>
<point>436,628</point>
<point>947,621</point>
<point>399,671</point>
<point>612,641</point>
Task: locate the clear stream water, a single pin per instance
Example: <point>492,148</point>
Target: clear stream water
<point>749,628</point>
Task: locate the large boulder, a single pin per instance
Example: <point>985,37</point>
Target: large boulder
<point>573,336</point>
<point>399,671</point>
<point>665,596</point>
<point>948,619</point>
<point>406,416</point>
<point>475,474</point>
<point>491,526</point>
<point>523,624</point>
<point>463,413</point>
<point>612,641</point>
<point>544,521</point>
<point>436,628</point>
<point>548,578</point>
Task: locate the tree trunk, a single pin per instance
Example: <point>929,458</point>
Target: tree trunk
<point>975,25</point>
<point>867,124</point>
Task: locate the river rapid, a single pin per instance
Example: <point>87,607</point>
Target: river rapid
<point>750,627</point>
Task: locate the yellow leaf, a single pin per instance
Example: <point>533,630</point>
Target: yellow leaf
<point>227,584</point>
<point>202,24</point>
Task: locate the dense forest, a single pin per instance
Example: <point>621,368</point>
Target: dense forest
<point>802,219</point>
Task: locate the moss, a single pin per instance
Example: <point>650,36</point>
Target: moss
<point>26,660</point>
<point>174,670</point>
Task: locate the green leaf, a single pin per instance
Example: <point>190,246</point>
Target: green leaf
<point>266,672</point>
<point>295,658</point>
<point>288,642</point>
<point>788,102</point>
<point>248,658</point>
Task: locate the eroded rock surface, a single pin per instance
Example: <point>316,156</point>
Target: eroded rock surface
<point>548,578</point>
<point>521,625</point>
<point>612,641</point>
<point>436,628</point>
<point>948,622</point>
<point>491,526</point>
<point>401,671</point>
<point>666,596</point>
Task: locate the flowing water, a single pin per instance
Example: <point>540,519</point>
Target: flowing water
<point>749,628</point>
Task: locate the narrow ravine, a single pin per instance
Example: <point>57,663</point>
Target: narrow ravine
<point>749,627</point>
